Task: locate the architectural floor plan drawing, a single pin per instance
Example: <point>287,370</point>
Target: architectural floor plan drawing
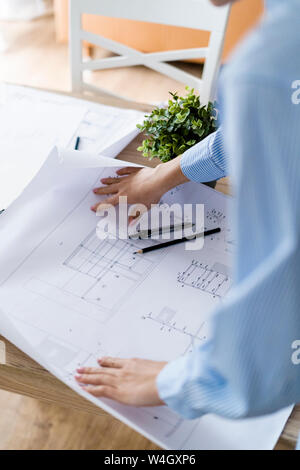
<point>168,323</point>
<point>68,297</point>
<point>214,280</point>
<point>101,266</point>
<point>99,275</point>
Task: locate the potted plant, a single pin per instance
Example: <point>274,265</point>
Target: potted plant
<point>172,130</point>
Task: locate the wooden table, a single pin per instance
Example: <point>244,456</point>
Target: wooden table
<point>20,374</point>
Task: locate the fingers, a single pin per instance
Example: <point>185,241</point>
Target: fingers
<point>131,219</point>
<point>102,391</point>
<point>128,170</point>
<point>134,218</point>
<point>113,201</point>
<point>96,379</point>
<point>88,370</point>
<point>110,189</point>
<point>113,362</point>
<point>110,180</point>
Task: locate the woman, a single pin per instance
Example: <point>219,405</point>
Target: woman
<point>249,368</point>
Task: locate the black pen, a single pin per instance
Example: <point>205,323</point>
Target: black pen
<point>176,241</point>
<point>77,143</point>
<point>160,231</point>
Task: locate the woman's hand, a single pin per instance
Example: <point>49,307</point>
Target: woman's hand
<point>128,381</point>
<point>141,186</point>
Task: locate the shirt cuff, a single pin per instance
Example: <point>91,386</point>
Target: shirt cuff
<point>171,384</point>
<point>191,387</point>
<point>206,160</point>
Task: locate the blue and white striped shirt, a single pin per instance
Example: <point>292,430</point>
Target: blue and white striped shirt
<point>207,160</point>
<point>247,368</point>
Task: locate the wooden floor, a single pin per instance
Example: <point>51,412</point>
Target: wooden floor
<point>33,58</point>
<point>28,424</point>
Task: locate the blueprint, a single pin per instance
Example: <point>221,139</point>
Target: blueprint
<point>68,297</point>
<point>32,122</point>
<point>102,129</point>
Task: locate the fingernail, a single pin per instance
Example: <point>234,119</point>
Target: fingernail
<point>77,377</point>
<point>80,370</point>
<point>100,360</point>
<point>102,207</point>
<point>93,208</point>
<point>95,190</point>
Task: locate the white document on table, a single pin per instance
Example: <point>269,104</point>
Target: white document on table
<point>105,130</point>
<point>76,159</point>
<point>69,298</point>
<point>27,134</point>
<point>33,121</point>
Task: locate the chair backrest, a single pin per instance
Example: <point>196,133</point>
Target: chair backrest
<point>196,14</point>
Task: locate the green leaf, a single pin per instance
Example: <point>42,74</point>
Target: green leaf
<point>174,129</point>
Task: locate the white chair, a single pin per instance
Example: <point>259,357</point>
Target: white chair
<point>196,14</point>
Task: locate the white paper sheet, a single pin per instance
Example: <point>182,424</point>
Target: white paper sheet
<point>82,159</point>
<point>27,134</point>
<point>73,298</point>
<point>104,129</point>
<point>33,121</point>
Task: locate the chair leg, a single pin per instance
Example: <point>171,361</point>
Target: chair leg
<point>88,50</point>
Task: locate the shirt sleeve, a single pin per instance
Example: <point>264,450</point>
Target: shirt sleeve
<point>247,368</point>
<point>205,161</point>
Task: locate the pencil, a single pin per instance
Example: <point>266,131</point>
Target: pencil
<point>176,241</point>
